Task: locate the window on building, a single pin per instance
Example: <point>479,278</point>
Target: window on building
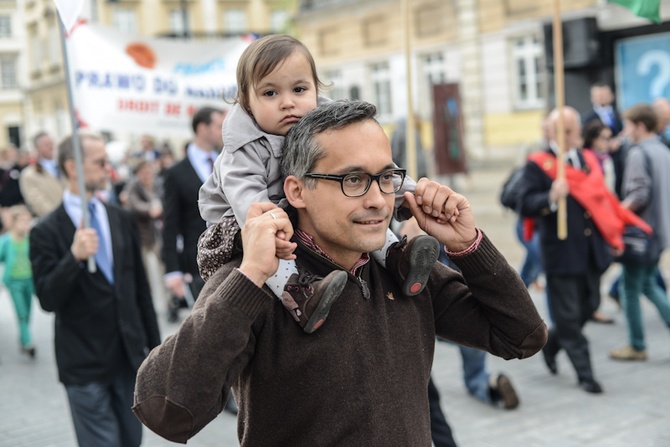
<point>5,26</point>
<point>61,118</point>
<point>433,71</point>
<point>235,21</point>
<point>527,75</point>
<point>432,19</point>
<point>375,31</point>
<point>380,75</point>
<point>54,47</point>
<point>329,41</point>
<point>14,135</point>
<point>176,20</point>
<point>35,48</point>
<point>336,89</point>
<point>278,21</point>
<point>125,20</point>
<point>8,74</point>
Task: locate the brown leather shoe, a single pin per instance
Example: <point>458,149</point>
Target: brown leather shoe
<point>413,261</point>
<point>628,353</point>
<point>308,297</point>
<point>504,392</point>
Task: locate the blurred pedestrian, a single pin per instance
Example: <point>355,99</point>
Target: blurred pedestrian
<point>597,139</point>
<point>604,111</point>
<point>143,201</point>
<point>41,183</point>
<point>105,320</point>
<point>10,172</point>
<point>17,276</point>
<point>646,184</point>
<point>182,224</point>
<point>148,150</point>
<point>573,266</point>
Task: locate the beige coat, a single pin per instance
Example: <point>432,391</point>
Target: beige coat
<point>41,191</point>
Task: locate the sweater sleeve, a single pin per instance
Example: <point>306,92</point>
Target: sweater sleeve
<point>184,383</point>
<point>488,307</point>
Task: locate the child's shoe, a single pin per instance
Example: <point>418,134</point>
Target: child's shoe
<point>413,261</point>
<point>308,297</point>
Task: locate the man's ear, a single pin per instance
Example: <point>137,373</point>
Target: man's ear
<point>294,188</point>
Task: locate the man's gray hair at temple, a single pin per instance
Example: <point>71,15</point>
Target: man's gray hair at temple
<point>302,152</point>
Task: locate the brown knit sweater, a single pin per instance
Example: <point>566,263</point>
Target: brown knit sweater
<point>361,379</point>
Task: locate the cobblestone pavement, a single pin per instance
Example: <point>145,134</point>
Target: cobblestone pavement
<point>633,411</point>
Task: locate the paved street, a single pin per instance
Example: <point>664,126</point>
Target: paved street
<point>633,411</point>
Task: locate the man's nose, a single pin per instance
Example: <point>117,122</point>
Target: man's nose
<point>375,198</point>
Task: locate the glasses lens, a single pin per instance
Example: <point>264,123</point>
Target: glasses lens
<point>390,181</point>
<point>355,184</point>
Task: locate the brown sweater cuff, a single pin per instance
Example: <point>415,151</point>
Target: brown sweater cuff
<point>481,260</point>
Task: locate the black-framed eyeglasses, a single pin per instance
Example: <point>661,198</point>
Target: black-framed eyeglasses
<point>356,184</point>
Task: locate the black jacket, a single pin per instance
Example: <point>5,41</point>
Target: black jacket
<point>584,245</point>
<point>99,327</point>
<point>181,217</point>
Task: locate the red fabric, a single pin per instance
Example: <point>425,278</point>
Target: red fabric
<point>589,190</point>
<point>528,228</point>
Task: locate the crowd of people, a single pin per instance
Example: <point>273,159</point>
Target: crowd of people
<point>256,211</point>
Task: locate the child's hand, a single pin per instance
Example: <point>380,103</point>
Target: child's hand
<point>284,247</point>
<point>261,240</point>
<point>443,214</point>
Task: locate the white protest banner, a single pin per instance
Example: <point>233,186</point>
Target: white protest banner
<point>69,11</point>
<point>129,83</point>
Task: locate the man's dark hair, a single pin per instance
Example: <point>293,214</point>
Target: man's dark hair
<point>66,148</point>
<point>600,84</point>
<point>301,152</point>
<point>642,113</point>
<point>203,116</point>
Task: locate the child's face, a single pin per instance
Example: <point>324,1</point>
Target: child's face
<point>22,223</point>
<point>284,96</point>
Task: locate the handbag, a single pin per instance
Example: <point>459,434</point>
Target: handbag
<point>641,249</point>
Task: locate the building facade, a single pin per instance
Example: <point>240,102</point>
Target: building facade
<point>496,52</point>
<point>12,71</point>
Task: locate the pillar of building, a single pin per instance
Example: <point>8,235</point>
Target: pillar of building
<point>471,88</point>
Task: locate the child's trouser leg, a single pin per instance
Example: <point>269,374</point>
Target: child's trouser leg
<point>307,297</point>
<point>22,304</point>
<point>216,246</point>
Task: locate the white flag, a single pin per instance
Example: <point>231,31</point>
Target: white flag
<point>69,11</point>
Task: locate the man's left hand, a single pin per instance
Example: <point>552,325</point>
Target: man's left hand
<point>443,214</point>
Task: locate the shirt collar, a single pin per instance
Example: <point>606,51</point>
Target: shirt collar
<point>310,243</point>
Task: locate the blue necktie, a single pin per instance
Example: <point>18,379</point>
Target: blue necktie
<point>102,258</point>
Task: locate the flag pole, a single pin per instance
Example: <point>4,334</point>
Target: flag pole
<point>410,130</point>
<point>559,93</point>
<point>75,138</point>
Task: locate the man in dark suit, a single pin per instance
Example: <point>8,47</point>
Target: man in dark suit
<point>602,99</point>
<point>603,110</point>
<point>182,222</point>
<point>572,266</point>
<point>105,320</point>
